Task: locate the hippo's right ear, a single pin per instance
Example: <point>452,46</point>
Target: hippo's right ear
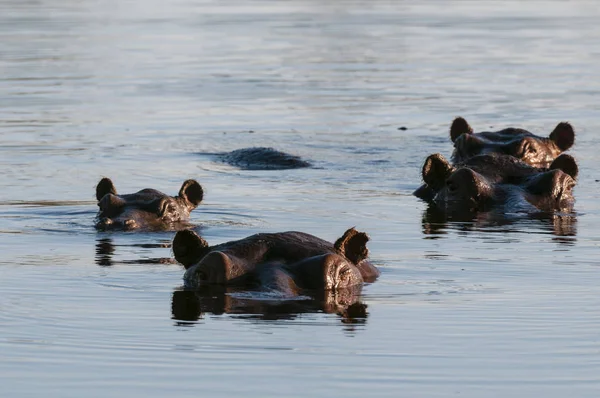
<point>189,248</point>
<point>567,164</point>
<point>459,127</point>
<point>353,245</point>
<point>192,192</point>
<point>104,187</point>
<point>563,135</point>
<point>435,171</point>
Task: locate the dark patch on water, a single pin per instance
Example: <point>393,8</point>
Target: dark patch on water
<point>261,158</point>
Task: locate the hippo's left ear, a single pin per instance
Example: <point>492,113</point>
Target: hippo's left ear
<point>459,127</point>
<point>436,170</point>
<point>563,135</point>
<point>353,245</point>
<point>189,248</point>
<point>192,192</point>
<point>104,187</point>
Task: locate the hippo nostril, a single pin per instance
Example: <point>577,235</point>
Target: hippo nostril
<point>129,224</point>
<point>452,187</point>
<point>202,276</point>
<point>105,222</point>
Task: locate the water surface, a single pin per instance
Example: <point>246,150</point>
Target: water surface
<point>144,92</point>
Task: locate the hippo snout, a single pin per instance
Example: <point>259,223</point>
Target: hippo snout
<point>564,184</point>
<point>195,277</point>
<point>107,223</point>
<point>104,223</point>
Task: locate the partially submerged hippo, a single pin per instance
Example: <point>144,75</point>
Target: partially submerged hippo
<point>261,158</point>
<point>502,182</point>
<point>146,209</point>
<point>286,262</point>
<point>528,147</point>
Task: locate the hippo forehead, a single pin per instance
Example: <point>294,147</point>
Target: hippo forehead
<point>505,135</point>
<point>149,200</point>
<point>524,146</point>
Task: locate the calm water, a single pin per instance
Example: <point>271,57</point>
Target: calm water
<point>145,92</point>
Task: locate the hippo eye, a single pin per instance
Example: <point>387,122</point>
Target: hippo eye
<point>451,185</point>
<point>531,149</point>
<point>528,148</point>
<point>170,208</point>
<point>167,208</point>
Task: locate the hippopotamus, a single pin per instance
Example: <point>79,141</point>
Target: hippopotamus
<point>285,262</point>
<point>261,158</point>
<point>500,182</point>
<point>147,209</point>
<point>530,148</point>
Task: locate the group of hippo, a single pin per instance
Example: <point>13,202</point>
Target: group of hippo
<point>507,171</point>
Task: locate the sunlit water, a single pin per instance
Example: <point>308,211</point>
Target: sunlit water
<point>145,91</point>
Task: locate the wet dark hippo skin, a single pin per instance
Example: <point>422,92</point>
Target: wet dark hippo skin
<point>147,209</point>
<point>261,158</point>
<point>521,144</point>
<point>285,262</point>
<point>499,182</point>
<point>190,305</point>
<point>529,148</point>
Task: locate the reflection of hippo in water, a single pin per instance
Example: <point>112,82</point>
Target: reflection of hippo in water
<point>437,221</point>
<point>190,305</point>
<point>285,262</point>
<point>260,158</point>
<point>146,209</point>
<point>519,143</point>
<point>489,182</point>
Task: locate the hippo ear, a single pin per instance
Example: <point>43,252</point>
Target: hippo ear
<point>459,127</point>
<point>353,245</point>
<point>104,187</point>
<point>189,248</point>
<point>192,192</point>
<point>563,135</point>
<point>567,164</point>
<point>436,170</point>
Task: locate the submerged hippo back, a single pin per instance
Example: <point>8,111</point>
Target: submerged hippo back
<point>261,158</point>
<point>287,247</point>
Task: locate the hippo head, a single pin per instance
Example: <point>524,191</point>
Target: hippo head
<point>553,189</point>
<point>530,148</point>
<point>463,189</point>
<point>459,189</point>
<point>146,209</point>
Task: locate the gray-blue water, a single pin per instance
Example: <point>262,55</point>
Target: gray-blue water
<point>143,92</point>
